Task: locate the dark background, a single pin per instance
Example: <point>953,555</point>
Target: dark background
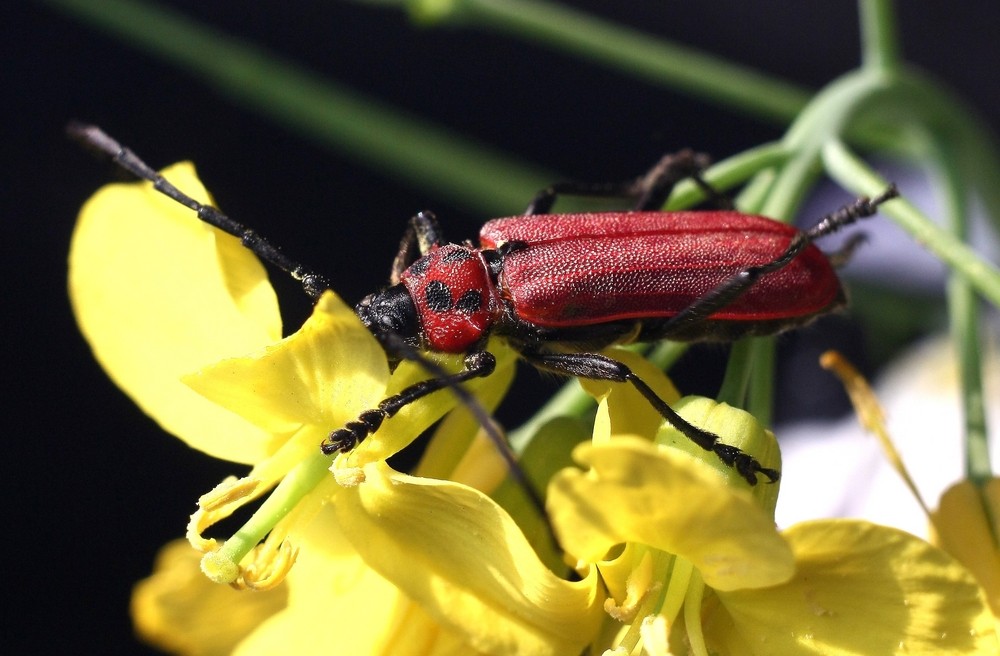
<point>91,486</point>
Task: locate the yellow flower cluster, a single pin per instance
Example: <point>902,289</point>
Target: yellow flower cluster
<point>665,550</point>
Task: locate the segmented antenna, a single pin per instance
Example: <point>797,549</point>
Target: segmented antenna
<point>91,136</point>
<point>314,284</point>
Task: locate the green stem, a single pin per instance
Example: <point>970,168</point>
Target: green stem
<point>856,176</point>
<point>963,310</point>
<point>292,488</point>
<point>749,379</point>
<point>638,54</point>
<point>879,39</point>
<point>431,158</point>
<point>569,401</point>
<point>736,383</point>
<point>730,173</point>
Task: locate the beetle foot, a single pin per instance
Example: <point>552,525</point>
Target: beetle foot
<point>746,465</point>
<point>344,439</point>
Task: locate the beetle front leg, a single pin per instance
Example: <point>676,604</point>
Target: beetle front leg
<point>477,365</point>
<point>422,234</point>
<point>600,367</point>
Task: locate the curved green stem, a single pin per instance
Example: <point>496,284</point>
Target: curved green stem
<point>629,51</point>
<point>879,40</point>
<point>963,310</point>
<point>853,174</point>
<point>730,173</point>
<point>430,157</point>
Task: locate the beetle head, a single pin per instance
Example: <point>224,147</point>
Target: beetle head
<point>390,312</point>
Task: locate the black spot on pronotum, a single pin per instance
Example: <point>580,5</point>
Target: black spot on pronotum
<point>420,266</point>
<point>438,296</point>
<point>457,255</point>
<point>469,302</point>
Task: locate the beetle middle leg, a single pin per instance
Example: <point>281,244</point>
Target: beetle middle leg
<point>649,191</point>
<point>600,367</point>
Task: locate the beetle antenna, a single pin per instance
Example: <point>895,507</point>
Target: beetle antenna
<point>91,136</point>
<point>314,284</point>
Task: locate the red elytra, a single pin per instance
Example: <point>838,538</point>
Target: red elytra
<point>582,269</point>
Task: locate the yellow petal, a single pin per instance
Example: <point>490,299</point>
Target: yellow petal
<point>449,448</point>
<point>178,609</point>
<point>458,555</point>
<point>962,527</point>
<point>324,374</point>
<point>627,411</point>
<point>399,430</point>
<point>859,588</point>
<point>638,492</point>
<point>339,605</point>
<point>157,293</point>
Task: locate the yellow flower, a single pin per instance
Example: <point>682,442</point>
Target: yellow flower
<point>675,554</point>
<point>694,564</point>
<point>966,523</point>
<point>184,320</point>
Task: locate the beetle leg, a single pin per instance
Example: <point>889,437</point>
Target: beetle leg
<point>843,255</point>
<point>655,186</point>
<point>649,191</point>
<point>737,284</point>
<point>477,365</point>
<point>422,234</point>
<point>600,367</point>
<point>93,137</point>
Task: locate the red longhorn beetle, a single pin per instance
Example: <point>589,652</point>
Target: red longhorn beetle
<point>558,285</point>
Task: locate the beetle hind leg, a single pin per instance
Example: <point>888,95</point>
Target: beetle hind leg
<point>648,192</point>
<point>600,367</point>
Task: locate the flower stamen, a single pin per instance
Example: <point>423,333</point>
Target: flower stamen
<point>692,614</point>
<point>677,588</point>
<point>638,587</point>
<point>270,561</point>
<point>870,415</point>
<point>216,505</point>
<point>655,633</point>
<point>230,490</point>
<point>269,567</point>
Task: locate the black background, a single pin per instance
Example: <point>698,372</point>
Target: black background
<point>92,487</point>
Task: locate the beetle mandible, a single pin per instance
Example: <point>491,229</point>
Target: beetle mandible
<point>559,286</point>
